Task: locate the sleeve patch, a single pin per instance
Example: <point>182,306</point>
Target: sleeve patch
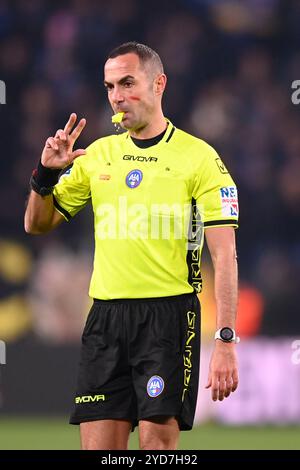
<point>65,173</point>
<point>221,166</point>
<point>229,201</point>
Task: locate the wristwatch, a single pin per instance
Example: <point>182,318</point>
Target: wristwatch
<point>227,335</point>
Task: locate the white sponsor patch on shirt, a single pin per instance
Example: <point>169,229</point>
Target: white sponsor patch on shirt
<point>229,201</point>
<point>66,173</point>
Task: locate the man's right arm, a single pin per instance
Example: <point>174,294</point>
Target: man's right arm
<point>41,215</point>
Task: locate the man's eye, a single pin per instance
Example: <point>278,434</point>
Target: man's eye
<point>128,84</point>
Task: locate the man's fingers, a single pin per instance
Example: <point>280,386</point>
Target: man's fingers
<point>228,387</point>
<point>215,392</point>
<point>70,123</point>
<point>228,390</point>
<point>222,388</point>
<point>77,131</point>
<point>67,132</point>
<point>60,134</point>
<point>215,388</point>
<point>51,143</point>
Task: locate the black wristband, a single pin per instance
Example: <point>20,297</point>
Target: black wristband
<point>45,177</point>
<point>43,191</point>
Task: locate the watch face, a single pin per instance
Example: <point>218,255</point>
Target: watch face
<point>226,334</point>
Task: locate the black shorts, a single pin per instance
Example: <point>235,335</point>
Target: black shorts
<point>140,359</point>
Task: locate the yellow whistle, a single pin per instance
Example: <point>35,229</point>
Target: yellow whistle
<point>117,118</point>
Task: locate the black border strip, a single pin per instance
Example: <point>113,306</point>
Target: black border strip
<point>221,222</point>
<point>142,457</point>
<point>170,135</point>
<point>61,209</point>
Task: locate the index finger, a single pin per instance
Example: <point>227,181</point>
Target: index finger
<point>77,131</point>
<point>70,123</point>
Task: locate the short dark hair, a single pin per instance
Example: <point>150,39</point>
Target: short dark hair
<point>144,53</point>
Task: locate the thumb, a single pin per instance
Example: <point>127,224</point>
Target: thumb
<point>78,153</point>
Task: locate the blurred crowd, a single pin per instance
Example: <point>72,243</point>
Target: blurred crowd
<point>230,66</point>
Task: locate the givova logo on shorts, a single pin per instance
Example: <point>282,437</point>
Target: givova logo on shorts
<point>89,398</point>
<point>155,386</point>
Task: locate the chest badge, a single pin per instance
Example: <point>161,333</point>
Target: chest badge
<point>134,178</point>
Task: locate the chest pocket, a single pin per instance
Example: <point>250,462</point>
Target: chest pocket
<point>168,187</point>
<point>170,204</point>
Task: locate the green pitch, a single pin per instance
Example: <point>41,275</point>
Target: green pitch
<point>56,433</point>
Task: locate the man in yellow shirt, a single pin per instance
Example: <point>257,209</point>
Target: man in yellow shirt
<point>155,190</point>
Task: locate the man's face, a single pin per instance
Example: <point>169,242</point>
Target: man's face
<point>130,89</point>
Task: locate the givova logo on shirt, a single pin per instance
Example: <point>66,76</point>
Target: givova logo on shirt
<point>155,386</point>
<point>229,201</point>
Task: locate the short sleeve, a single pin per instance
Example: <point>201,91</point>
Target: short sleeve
<point>72,192</point>
<point>215,192</point>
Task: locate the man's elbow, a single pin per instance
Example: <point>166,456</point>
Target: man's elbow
<point>33,229</point>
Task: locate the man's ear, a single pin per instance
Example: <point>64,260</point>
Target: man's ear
<point>160,84</point>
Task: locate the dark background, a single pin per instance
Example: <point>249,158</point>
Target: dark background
<point>230,68</point>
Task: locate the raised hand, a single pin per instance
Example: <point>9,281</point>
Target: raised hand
<point>58,151</point>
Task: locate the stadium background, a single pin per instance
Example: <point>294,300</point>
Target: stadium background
<point>230,66</point>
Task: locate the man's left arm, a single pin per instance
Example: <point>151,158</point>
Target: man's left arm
<point>223,371</point>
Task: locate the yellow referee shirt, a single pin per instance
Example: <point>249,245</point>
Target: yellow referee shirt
<point>150,207</point>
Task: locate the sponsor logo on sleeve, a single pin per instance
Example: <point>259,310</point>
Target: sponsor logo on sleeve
<point>229,201</point>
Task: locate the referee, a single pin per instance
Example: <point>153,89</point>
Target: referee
<point>155,190</point>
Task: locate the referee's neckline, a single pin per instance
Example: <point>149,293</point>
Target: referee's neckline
<point>165,139</point>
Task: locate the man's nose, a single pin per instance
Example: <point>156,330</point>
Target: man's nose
<point>117,96</point>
